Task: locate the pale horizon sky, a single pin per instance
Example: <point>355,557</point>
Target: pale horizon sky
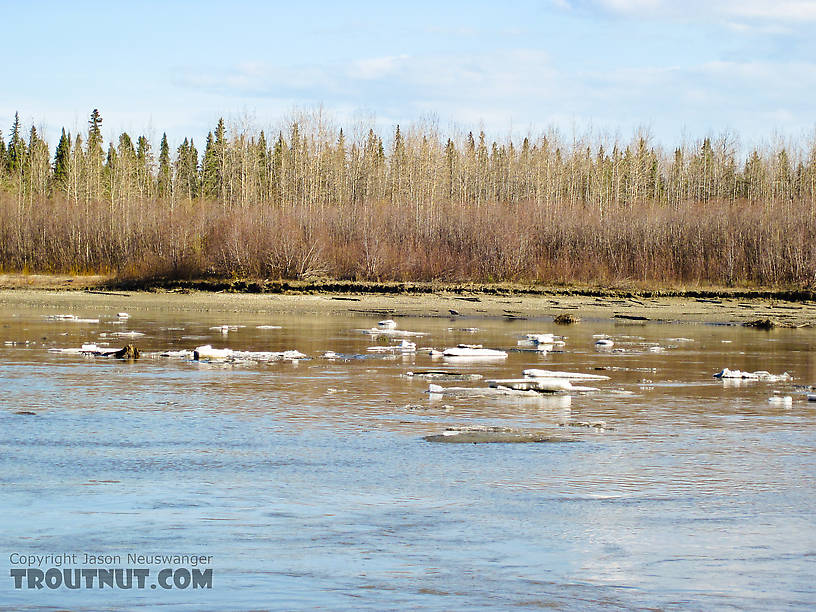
<point>682,70</point>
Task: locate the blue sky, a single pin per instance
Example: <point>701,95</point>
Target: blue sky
<point>680,69</point>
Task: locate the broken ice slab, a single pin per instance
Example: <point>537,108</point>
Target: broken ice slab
<point>181,354</point>
<point>85,349</point>
<point>379,331</point>
<point>403,347</point>
<point>387,324</point>
<point>473,351</point>
<point>536,373</point>
<point>762,375</point>
<point>481,391</point>
<point>442,375</point>
<point>208,353</point>
<point>542,385</point>
<point>70,317</point>
<point>502,435</point>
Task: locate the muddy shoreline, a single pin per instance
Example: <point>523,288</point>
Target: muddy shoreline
<point>625,306</point>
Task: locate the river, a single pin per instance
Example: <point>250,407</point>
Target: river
<point>310,485</point>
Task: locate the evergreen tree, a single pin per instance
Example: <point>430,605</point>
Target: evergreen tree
<point>163,185</point>
<point>95,131</point>
<point>16,148</point>
<point>62,159</point>
<point>209,169</point>
<point>187,170</point>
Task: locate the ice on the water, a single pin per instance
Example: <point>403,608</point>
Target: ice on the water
<point>762,375</point>
<point>208,353</point>
<point>473,351</point>
<point>536,373</point>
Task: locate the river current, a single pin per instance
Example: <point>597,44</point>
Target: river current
<point>310,485</point>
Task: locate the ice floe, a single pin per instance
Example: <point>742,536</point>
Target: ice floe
<point>473,351</point>
<point>536,373</point>
<point>761,375</point>
<point>442,375</point>
<point>69,317</point>
<point>405,346</point>
<point>208,353</point>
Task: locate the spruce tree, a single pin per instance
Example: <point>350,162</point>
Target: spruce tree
<point>62,158</point>
<point>209,169</point>
<point>163,183</point>
<point>16,148</point>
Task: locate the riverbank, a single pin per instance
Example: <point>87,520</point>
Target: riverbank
<point>626,305</point>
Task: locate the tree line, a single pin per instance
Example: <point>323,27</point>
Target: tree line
<point>309,162</point>
<point>414,204</point>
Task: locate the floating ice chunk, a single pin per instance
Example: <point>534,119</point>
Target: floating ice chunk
<point>473,352</point>
<point>405,346</point>
<point>680,339</point>
<point>85,349</point>
<point>604,343</point>
<point>330,355</point>
<point>123,315</point>
<point>70,317</point>
<point>387,324</point>
<point>128,334</point>
<point>540,338</point>
<point>225,329</point>
<point>442,375</point>
<point>656,349</point>
<point>207,352</point>
<point>535,373</point>
<point>267,355</point>
<point>546,385</point>
<point>382,331</point>
<point>762,375</point>
<point>811,397</point>
<point>268,327</point>
<point>779,400</point>
<point>435,389</point>
<point>182,354</point>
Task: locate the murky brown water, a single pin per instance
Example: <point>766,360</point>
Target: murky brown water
<point>310,483</point>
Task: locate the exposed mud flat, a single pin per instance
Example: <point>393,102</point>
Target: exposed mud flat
<point>736,309</point>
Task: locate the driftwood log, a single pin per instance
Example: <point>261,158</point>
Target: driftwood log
<point>127,352</point>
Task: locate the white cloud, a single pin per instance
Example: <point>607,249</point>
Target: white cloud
<point>376,67</point>
<point>694,10</point>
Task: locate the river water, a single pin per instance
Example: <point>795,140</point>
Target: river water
<point>310,486</point>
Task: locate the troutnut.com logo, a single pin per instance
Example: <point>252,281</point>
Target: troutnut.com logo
<point>31,571</point>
